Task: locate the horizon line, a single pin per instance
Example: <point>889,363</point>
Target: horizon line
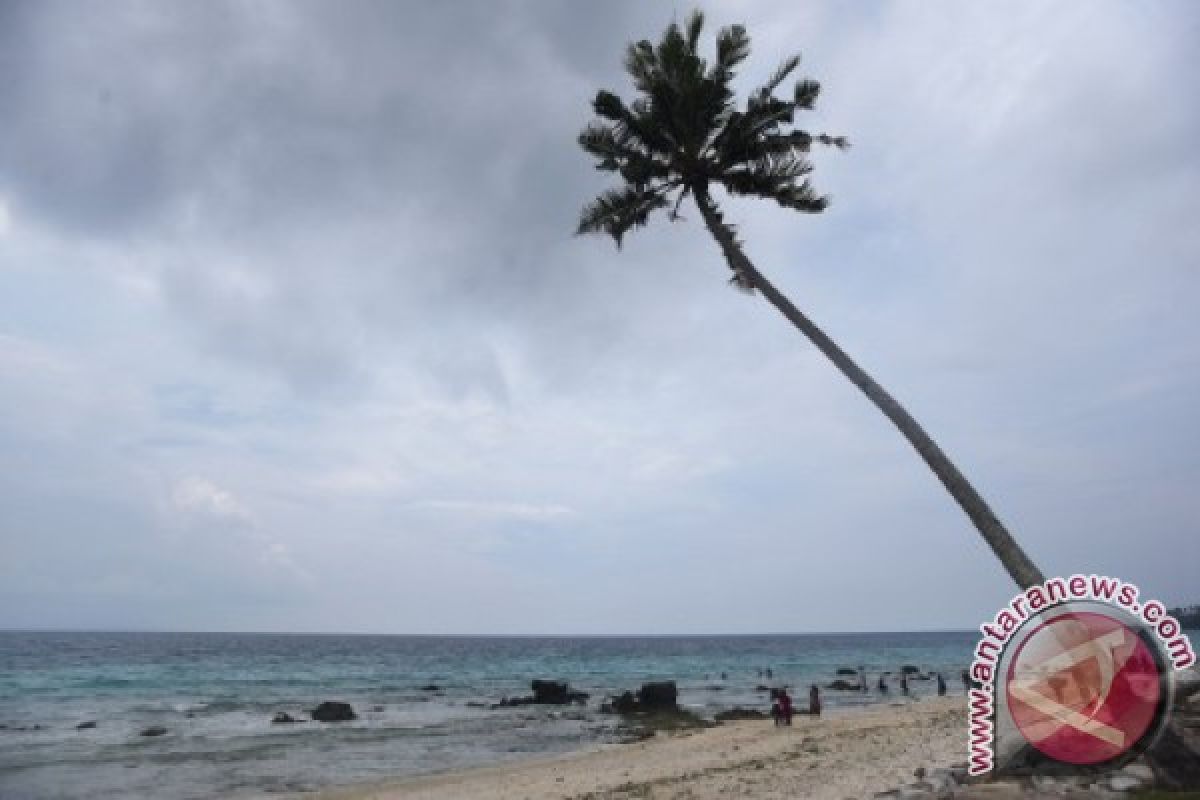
<point>488,635</point>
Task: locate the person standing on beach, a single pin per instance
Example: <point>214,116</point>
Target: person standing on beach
<point>862,679</point>
<point>966,679</point>
<point>814,700</point>
<point>883,687</point>
<point>785,706</point>
<point>941,685</point>
<point>904,682</point>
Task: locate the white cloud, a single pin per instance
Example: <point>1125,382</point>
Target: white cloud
<point>200,496</point>
<point>524,511</point>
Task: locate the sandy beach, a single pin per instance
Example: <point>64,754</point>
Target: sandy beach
<point>846,754</point>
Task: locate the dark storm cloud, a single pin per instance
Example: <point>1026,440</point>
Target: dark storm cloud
<point>350,152</point>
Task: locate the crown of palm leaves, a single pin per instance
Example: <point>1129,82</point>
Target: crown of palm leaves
<point>685,132</point>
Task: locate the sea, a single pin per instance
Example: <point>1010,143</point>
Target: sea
<point>216,695</point>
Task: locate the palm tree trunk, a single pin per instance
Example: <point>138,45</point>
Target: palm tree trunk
<point>1018,565</point>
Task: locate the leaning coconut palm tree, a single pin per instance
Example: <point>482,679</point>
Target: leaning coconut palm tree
<point>682,137</point>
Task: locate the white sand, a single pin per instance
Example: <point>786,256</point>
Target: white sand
<point>851,754</point>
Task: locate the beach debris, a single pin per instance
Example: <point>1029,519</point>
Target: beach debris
<point>283,718</point>
<point>643,724</point>
<point>153,730</point>
<point>83,726</point>
<point>734,714</point>
<point>333,711</point>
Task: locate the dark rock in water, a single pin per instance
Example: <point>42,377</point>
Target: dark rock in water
<point>761,688</point>
<point>83,726</point>
<point>508,702</point>
<point>476,704</point>
<point>841,685</point>
<point>624,703</point>
<point>660,695</point>
<point>556,693</point>
<point>22,728</point>
<point>652,697</point>
<point>739,713</point>
<point>553,693</point>
<point>431,687</point>
<point>154,730</point>
<point>847,671</point>
<point>333,712</point>
<point>909,669</point>
<point>283,718</point>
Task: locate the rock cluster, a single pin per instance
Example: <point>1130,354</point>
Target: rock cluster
<point>551,693</point>
<point>657,697</point>
<point>333,711</point>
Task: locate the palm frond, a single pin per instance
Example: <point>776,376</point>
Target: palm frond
<point>840,142</point>
<point>801,197</point>
<point>641,62</point>
<point>791,142</point>
<point>780,75</point>
<point>695,24</point>
<point>733,47</point>
<point>608,105</point>
<point>617,151</point>
<point>617,210</point>
<point>805,94</point>
<point>682,131</point>
<point>767,176</point>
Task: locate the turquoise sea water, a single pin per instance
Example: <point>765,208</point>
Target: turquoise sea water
<point>216,694</point>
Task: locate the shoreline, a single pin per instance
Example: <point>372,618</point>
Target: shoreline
<point>848,753</point>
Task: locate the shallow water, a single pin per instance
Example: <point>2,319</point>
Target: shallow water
<point>216,694</point>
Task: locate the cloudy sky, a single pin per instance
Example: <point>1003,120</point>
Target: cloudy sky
<point>294,334</point>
